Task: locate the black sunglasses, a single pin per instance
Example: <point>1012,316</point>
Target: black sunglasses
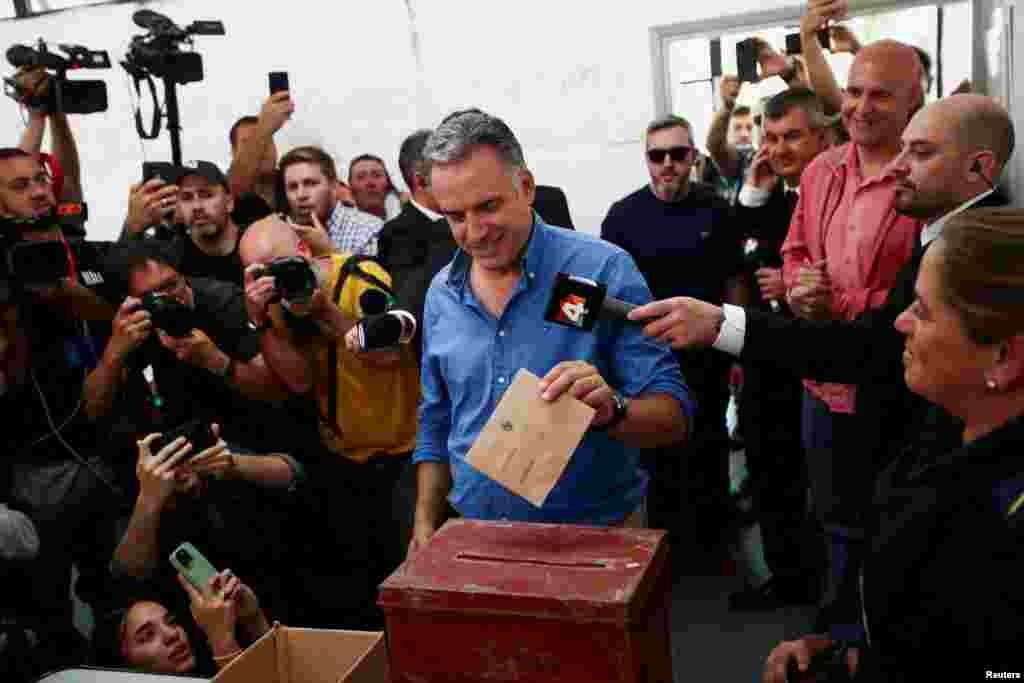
<point>677,154</point>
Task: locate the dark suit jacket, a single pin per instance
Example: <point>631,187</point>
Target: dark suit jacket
<point>867,352</point>
<point>770,402</point>
<point>941,571</point>
<point>413,249</point>
<point>551,204</point>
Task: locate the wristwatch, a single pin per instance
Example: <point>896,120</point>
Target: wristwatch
<point>621,405</point>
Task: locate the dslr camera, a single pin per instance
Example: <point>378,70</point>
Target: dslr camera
<point>168,314</point>
<point>42,83</point>
<point>294,279</point>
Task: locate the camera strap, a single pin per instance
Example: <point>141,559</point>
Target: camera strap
<point>349,267</point>
<point>154,132</point>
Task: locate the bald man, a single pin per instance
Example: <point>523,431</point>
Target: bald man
<point>953,153</point>
<point>845,245</point>
<point>366,404</point>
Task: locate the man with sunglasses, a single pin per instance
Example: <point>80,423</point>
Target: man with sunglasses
<point>678,233</point>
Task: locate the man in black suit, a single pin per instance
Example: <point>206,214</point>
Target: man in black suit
<point>795,132</point>
<point>551,204</point>
<point>417,243</point>
<point>953,150</point>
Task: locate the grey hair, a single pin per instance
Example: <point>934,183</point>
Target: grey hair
<point>671,121</point>
<point>461,131</point>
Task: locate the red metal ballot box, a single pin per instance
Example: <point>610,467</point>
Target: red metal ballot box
<point>506,601</point>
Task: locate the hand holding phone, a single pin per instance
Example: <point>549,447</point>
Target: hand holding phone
<point>196,432</point>
<point>278,81</point>
<point>196,569</point>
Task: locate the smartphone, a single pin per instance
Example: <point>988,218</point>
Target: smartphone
<point>197,432</point>
<point>164,170</point>
<point>746,61</point>
<point>278,81</point>
<point>196,569</point>
<point>794,46</point>
<point>38,263</point>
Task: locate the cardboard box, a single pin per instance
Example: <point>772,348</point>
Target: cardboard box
<point>534,603</point>
<point>306,655</point>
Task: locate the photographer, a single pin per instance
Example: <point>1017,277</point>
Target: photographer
<point>50,341</point>
<point>205,361</point>
<point>366,400</point>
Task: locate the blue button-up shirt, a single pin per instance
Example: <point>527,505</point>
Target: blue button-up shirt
<point>470,358</point>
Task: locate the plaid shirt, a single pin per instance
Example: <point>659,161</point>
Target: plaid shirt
<point>354,231</point>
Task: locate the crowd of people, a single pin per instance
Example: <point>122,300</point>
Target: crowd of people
<point>843,255</point>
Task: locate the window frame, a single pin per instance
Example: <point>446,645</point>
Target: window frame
<point>661,36</point>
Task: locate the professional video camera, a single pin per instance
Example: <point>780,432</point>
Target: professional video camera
<point>32,263</point>
<point>42,82</point>
<point>158,53</point>
<point>294,280</point>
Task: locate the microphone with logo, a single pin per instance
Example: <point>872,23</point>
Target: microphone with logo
<point>579,302</point>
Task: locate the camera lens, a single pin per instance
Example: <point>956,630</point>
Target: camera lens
<point>184,558</point>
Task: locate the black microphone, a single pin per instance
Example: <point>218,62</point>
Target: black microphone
<point>386,330</point>
<point>579,302</point>
<point>374,302</point>
<point>751,254</point>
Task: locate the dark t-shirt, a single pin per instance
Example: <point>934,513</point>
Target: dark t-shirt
<point>687,248</point>
<point>196,263</point>
<point>187,392</point>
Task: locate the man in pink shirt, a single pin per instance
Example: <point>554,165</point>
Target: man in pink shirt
<point>845,245</point>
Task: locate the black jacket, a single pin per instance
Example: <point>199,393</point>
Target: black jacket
<point>867,352</point>
<point>942,586</point>
<point>553,207</point>
<point>413,249</point>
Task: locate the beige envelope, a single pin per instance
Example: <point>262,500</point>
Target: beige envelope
<point>528,442</point>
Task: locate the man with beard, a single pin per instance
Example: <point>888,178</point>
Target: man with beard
<point>952,153</point>
<point>205,205</point>
<point>679,234</point>
<point>309,181</point>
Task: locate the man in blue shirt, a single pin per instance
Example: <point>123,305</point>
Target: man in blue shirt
<point>484,320</point>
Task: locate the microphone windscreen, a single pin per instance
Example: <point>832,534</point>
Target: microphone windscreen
<point>374,302</point>
<point>381,332</point>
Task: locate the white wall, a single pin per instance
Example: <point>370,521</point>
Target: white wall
<point>572,79</point>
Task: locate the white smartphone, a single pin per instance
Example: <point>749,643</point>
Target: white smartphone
<point>193,566</point>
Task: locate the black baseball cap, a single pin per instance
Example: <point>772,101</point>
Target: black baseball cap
<point>203,169</point>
